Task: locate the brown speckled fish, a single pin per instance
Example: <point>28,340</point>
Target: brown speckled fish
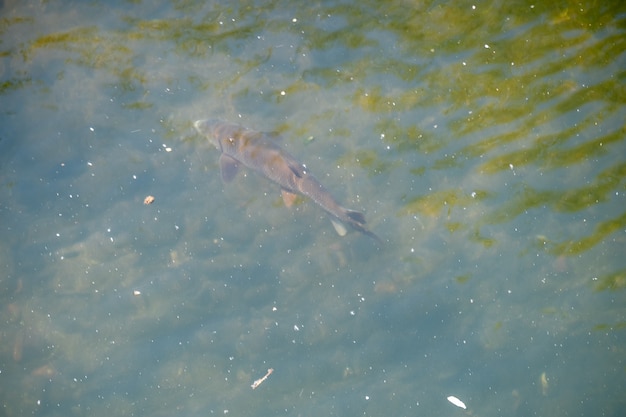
<point>260,152</point>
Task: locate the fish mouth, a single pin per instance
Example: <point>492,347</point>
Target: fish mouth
<point>199,125</point>
<point>207,126</point>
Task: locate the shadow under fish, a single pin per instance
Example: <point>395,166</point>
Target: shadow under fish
<point>260,152</point>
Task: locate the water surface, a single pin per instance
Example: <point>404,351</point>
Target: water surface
<point>485,143</point>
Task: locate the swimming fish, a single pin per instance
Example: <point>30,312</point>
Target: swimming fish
<point>260,152</point>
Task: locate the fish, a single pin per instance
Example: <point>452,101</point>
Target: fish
<point>261,152</point>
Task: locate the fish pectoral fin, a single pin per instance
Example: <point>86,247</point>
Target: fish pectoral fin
<point>228,167</point>
<point>288,197</point>
<point>339,227</point>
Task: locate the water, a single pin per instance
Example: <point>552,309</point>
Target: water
<point>484,141</point>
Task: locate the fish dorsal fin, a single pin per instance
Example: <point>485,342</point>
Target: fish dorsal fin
<point>274,136</point>
<point>298,169</point>
<point>228,167</point>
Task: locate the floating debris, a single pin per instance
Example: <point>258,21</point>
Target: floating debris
<point>148,200</point>
<point>263,378</point>
<point>457,402</point>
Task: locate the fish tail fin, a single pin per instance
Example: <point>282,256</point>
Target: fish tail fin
<point>357,220</point>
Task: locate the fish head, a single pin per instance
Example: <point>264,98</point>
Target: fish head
<point>209,128</point>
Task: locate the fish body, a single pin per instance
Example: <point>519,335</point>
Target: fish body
<point>260,152</point>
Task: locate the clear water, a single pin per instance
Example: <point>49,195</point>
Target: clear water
<point>485,142</point>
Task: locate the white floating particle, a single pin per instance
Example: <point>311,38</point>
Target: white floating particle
<point>457,402</point>
<point>136,292</point>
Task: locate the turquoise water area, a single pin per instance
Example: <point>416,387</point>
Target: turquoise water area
<point>484,141</point>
